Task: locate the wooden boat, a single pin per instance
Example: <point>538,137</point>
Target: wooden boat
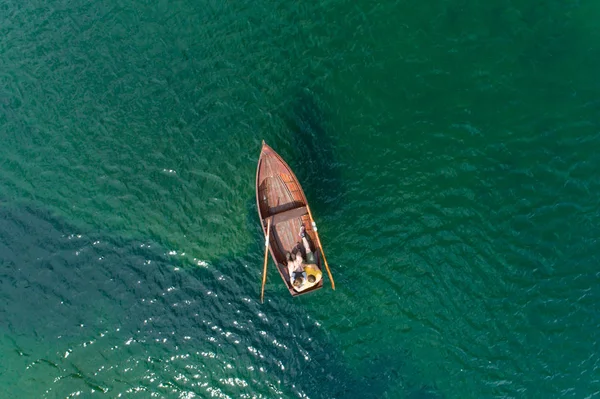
<point>283,209</point>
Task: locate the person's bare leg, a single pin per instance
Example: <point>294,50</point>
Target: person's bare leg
<point>306,245</point>
<point>304,240</point>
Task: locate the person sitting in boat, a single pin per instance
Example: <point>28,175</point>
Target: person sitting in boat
<point>311,275</point>
<point>296,269</point>
<point>314,275</point>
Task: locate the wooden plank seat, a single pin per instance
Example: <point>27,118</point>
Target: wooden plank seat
<point>290,214</point>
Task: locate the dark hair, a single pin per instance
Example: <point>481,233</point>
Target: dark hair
<point>311,278</point>
<point>297,282</point>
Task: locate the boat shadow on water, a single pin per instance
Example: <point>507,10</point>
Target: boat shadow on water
<point>311,150</point>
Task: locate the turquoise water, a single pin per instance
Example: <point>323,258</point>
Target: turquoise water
<point>449,150</point>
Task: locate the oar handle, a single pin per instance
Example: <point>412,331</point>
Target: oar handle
<point>264,278</point>
<point>314,226</point>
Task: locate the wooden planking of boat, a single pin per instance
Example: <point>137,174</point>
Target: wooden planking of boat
<point>283,210</point>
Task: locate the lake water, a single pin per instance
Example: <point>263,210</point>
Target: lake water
<point>449,150</point>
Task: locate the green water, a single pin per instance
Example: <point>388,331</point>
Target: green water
<point>450,152</point>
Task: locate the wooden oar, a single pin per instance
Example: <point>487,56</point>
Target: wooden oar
<point>314,226</point>
<point>264,279</point>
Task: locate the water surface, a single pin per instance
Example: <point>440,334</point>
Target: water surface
<point>449,151</point>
